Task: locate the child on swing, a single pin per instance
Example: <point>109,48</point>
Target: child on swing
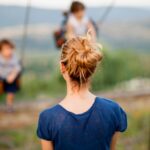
<point>78,22</point>
<point>81,121</point>
<point>10,69</point>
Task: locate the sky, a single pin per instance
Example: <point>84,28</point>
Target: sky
<point>63,4</point>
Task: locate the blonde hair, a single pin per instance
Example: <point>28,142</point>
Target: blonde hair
<point>80,58</point>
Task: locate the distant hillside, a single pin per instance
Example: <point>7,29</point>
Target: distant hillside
<point>124,28</point>
<point>14,15</point>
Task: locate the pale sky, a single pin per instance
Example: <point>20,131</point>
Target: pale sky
<point>63,4</point>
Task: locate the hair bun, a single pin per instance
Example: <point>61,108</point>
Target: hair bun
<point>80,57</point>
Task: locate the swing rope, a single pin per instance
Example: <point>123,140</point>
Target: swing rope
<point>105,15</point>
<point>25,30</point>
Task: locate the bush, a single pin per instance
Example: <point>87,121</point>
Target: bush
<point>119,66</point>
<point>42,75</point>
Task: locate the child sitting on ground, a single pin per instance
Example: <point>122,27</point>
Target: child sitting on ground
<point>10,69</point>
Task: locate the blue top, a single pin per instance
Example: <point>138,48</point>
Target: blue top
<point>91,130</point>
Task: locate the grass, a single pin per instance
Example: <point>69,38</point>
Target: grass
<point>137,135</point>
<point>19,139</point>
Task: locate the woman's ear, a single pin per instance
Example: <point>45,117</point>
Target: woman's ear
<point>62,68</point>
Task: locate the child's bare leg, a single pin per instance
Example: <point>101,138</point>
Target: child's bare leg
<point>9,101</point>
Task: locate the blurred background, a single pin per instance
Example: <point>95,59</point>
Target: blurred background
<point>124,75</point>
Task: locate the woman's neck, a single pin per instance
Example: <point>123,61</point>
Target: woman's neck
<point>76,91</point>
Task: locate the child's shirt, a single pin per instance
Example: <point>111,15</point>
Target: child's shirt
<point>91,130</point>
<point>7,66</point>
<point>80,27</point>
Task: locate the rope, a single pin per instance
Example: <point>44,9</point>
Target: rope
<point>25,30</point>
<point>105,15</point>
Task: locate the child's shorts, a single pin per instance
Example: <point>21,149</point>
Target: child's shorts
<point>11,87</point>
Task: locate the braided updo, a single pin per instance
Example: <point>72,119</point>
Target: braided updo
<point>80,58</point>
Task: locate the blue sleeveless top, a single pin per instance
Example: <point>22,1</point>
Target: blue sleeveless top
<point>91,130</point>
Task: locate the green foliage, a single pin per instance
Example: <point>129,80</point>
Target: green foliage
<point>42,78</point>
<point>120,66</point>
